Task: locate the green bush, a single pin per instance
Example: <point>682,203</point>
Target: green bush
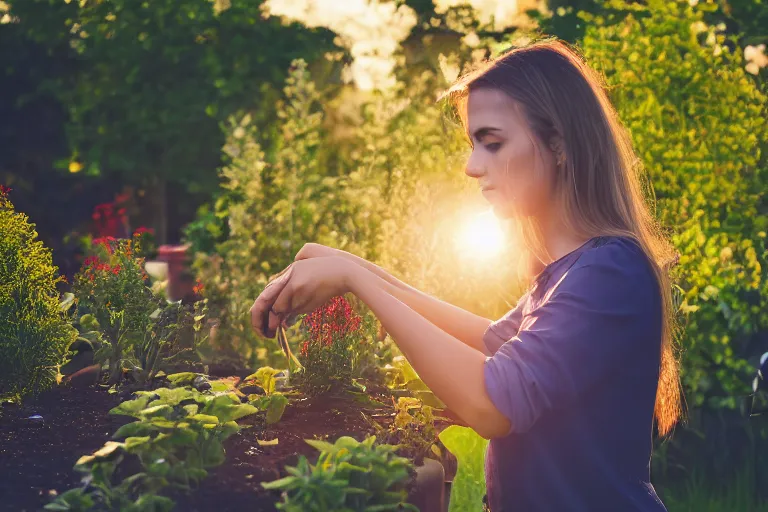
<point>382,183</point>
<point>35,332</point>
<point>698,121</point>
<point>349,475</point>
<point>275,200</point>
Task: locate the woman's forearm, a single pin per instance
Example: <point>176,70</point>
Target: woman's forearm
<point>459,323</point>
<point>453,370</point>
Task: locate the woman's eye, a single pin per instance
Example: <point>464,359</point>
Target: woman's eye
<point>493,147</point>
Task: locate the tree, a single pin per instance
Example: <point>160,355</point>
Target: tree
<point>150,82</point>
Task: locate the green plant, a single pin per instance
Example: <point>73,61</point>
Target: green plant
<point>34,327</point>
<point>111,288</point>
<point>273,402</point>
<point>468,486</point>
<point>332,341</point>
<point>173,335</point>
<point>349,476</point>
<point>414,430</point>
<point>178,436</point>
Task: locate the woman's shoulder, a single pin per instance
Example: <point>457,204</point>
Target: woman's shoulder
<point>617,265</point>
<point>621,253</point>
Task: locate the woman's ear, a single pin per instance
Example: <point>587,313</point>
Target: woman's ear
<point>557,145</point>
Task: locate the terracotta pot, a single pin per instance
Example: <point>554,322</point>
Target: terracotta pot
<point>428,492</point>
<point>180,281</point>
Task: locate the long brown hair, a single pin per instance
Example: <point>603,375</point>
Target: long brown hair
<point>599,178</point>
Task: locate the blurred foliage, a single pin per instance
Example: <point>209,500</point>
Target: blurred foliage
<point>468,486</point>
<point>698,122</point>
<point>354,173</point>
<point>142,87</point>
<point>34,331</point>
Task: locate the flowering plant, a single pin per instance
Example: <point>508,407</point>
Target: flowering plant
<point>333,345</point>
<point>111,288</point>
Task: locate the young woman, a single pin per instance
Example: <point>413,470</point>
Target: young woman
<point>568,384</point>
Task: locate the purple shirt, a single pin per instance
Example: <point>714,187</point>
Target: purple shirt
<point>575,368</point>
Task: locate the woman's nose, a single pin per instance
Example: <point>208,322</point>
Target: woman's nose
<point>474,169</point>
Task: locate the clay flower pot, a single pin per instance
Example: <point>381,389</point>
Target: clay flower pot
<point>428,491</point>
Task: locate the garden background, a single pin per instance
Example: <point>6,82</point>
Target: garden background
<point>246,129</point>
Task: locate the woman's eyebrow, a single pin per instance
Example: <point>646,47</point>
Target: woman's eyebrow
<point>485,130</point>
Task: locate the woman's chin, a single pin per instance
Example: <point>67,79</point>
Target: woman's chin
<point>502,212</point>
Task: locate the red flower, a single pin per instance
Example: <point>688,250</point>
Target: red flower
<point>106,241</point>
<point>91,260</point>
<point>4,190</point>
<point>116,269</point>
<point>198,288</point>
<point>333,321</point>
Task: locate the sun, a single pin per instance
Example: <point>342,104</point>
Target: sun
<point>480,237</point>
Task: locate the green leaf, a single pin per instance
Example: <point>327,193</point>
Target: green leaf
<point>107,451</point>
<point>213,453</point>
<point>182,379</point>
<point>205,418</point>
<point>156,411</point>
<point>67,301</point>
<point>225,410</point>
<point>89,323</point>
<point>323,446</point>
<point>279,484</point>
<point>154,503</point>
<point>131,407</point>
<point>468,486</point>
<point>276,407</point>
<point>132,442</point>
<point>137,428</point>
<point>73,499</point>
<point>266,378</point>
<point>430,399</point>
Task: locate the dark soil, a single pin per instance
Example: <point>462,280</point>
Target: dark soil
<point>236,485</point>
<point>37,457</point>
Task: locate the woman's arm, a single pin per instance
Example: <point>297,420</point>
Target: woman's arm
<point>453,370</point>
<point>459,323</point>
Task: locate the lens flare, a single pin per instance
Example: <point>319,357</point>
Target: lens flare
<point>481,237</point>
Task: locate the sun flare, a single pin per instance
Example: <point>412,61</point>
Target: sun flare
<point>481,236</point>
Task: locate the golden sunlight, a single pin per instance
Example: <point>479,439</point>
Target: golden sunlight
<point>481,236</point>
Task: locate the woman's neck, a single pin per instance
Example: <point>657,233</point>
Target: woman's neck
<point>557,237</point>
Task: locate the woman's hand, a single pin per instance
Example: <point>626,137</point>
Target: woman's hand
<point>314,250</point>
<point>302,287</point>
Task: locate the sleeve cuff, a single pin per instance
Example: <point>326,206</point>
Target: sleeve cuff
<point>496,391</point>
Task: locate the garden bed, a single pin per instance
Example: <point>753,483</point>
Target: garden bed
<point>40,454</point>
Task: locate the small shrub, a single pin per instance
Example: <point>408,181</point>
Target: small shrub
<point>349,475</point>
<point>34,329</point>
<point>334,342</point>
<point>111,288</point>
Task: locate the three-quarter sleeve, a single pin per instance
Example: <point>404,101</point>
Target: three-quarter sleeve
<point>602,312</point>
<point>499,331</point>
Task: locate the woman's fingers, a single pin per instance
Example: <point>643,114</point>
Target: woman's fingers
<point>262,319</point>
<point>283,306</point>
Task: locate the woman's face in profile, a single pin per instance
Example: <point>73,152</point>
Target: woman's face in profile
<point>513,172</point>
